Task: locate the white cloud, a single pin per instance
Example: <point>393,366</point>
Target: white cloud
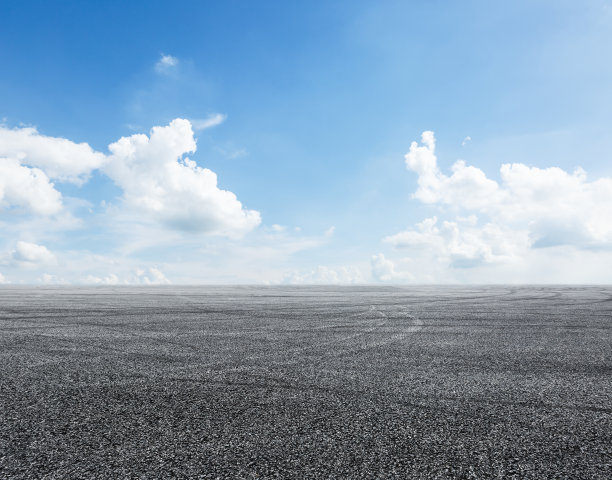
<point>262,257</point>
<point>110,279</point>
<point>466,140</point>
<point>28,163</point>
<point>232,152</point>
<point>27,188</point>
<point>59,158</point>
<point>166,63</point>
<point>3,280</point>
<point>152,276</point>
<point>330,231</point>
<point>211,121</point>
<point>48,279</point>
<point>462,243</point>
<point>531,207</point>
<point>156,177</point>
<point>324,275</point>
<point>149,276</point>
<point>31,255</point>
<point>468,187</point>
<point>383,270</point>
<point>158,181</point>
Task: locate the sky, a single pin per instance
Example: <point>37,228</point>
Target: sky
<point>320,142</point>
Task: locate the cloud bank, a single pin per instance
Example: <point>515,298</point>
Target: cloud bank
<point>495,222</point>
<point>158,181</point>
<point>149,276</point>
<point>383,270</point>
<point>324,275</point>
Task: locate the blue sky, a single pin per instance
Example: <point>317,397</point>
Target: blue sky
<point>307,113</point>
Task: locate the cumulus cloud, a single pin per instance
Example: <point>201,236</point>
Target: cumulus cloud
<point>31,255</point>
<point>462,243</point>
<point>324,275</point>
<point>208,122</point>
<point>529,207</point>
<point>27,188</point>
<point>140,276</point>
<point>152,276</point>
<point>59,158</point>
<point>3,280</point>
<point>166,63</point>
<point>30,161</point>
<point>48,279</point>
<point>160,181</point>
<point>468,187</point>
<point>110,279</point>
<point>383,270</point>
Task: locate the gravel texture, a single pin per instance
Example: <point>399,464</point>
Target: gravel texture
<point>308,382</point>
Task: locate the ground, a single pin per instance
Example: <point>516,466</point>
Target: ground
<point>306,382</point>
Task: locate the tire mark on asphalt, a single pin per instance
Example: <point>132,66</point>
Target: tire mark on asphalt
<point>242,363</point>
<point>416,325</point>
<point>344,344</point>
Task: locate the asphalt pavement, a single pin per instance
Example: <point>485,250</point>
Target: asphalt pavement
<point>306,382</point>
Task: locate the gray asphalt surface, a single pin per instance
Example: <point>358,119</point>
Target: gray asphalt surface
<point>311,382</point>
